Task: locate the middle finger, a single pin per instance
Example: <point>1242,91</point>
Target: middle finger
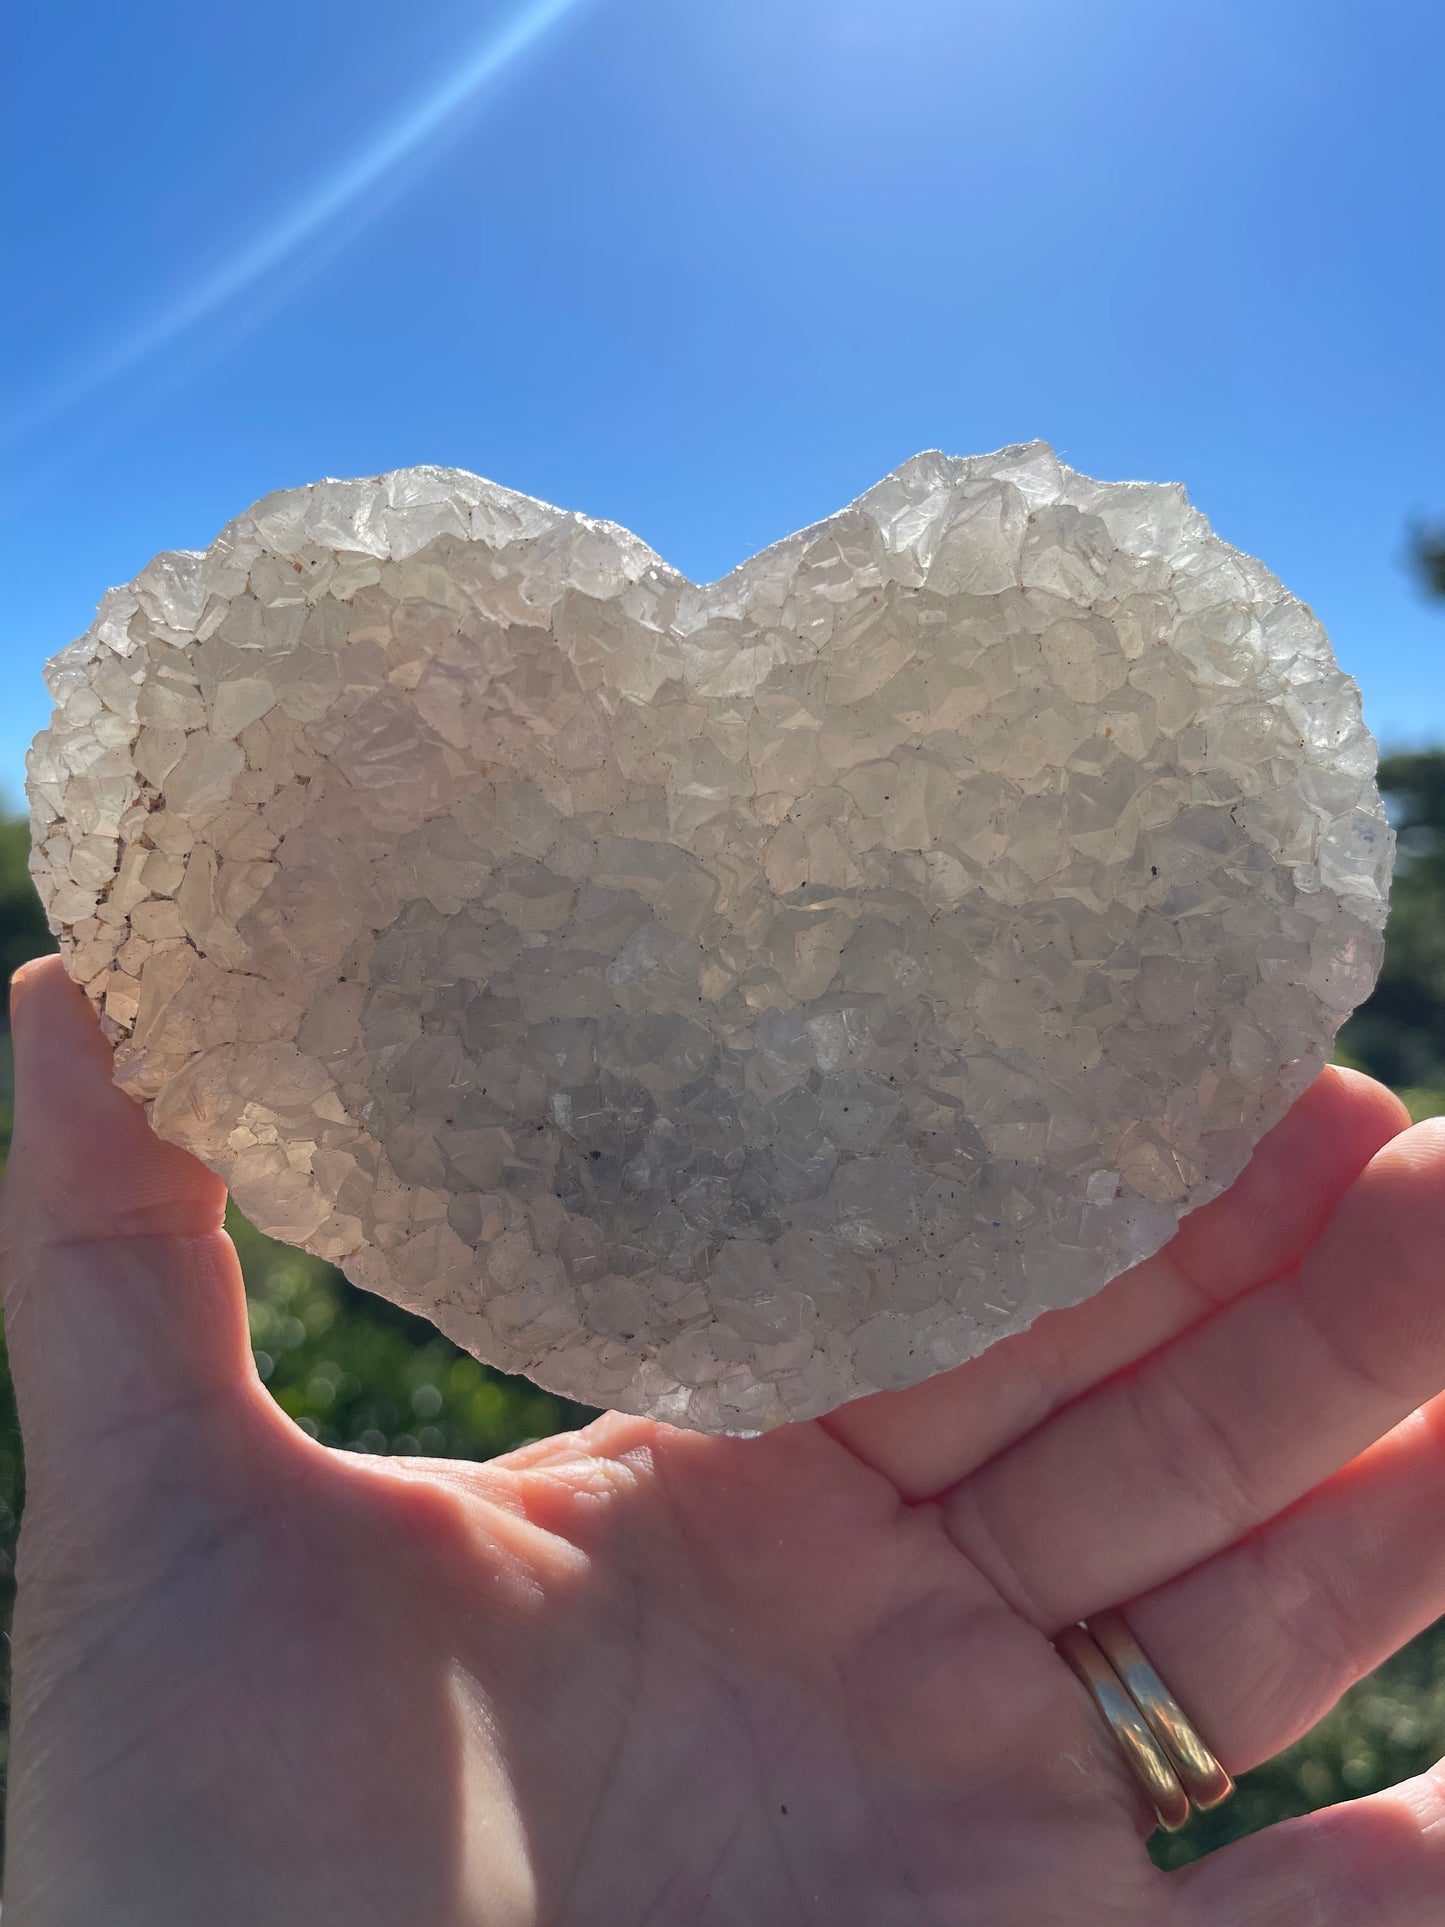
<point>931,1435</point>
<point>1161,1466</point>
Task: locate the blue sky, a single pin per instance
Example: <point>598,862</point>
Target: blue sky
<point>710,269</point>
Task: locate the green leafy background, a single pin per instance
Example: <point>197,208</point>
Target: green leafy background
<point>362,1375</point>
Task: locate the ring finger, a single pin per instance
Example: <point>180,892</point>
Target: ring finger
<point>1260,1641</point>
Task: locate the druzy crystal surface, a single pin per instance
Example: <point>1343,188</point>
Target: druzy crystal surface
<point>721,1001</point>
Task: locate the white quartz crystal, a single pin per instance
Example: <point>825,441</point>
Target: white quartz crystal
<point>716,1002</point>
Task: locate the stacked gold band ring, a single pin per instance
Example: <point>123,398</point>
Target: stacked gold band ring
<point>1170,1761</point>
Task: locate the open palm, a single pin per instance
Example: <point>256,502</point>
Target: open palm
<point>633,1675</point>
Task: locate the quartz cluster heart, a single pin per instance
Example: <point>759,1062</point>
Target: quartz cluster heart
<point>716,1002</point>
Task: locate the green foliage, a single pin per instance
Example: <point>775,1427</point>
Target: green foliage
<point>1399,1035</point>
<point>362,1375</point>
<point>12,1471</point>
<point>23,930</point>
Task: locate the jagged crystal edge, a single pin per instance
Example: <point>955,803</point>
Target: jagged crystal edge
<point>517,924</point>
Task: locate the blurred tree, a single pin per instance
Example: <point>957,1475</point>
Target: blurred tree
<point>1427,552</point>
<point>360,1373</point>
<point>23,930</point>
<point>1399,1035</point>
<point>12,1464</point>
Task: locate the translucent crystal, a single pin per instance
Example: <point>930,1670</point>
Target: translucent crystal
<point>716,1002</point>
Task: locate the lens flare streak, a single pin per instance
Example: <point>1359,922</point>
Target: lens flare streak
<point>362,174</point>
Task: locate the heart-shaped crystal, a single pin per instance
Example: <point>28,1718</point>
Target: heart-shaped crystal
<point>716,1002</point>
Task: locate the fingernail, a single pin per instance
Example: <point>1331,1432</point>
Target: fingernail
<point>20,984</point>
<point>17,988</point>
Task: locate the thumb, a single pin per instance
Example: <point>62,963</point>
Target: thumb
<point>123,1297</point>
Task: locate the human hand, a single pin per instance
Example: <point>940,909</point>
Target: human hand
<point>635,1677</point>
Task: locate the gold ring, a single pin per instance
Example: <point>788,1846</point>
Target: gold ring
<point>1201,1775</point>
<point>1162,1786</point>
